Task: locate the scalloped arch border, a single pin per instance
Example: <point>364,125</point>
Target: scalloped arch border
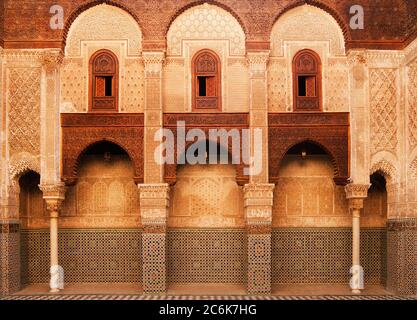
<point>387,169</point>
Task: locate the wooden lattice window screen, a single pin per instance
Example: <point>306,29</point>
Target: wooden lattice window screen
<point>104,77</point>
<point>206,86</point>
<point>307,81</point>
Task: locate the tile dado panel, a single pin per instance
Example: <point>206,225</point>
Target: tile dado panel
<point>402,256</point>
<point>9,258</point>
<point>324,255</point>
<point>95,255</point>
<point>207,256</point>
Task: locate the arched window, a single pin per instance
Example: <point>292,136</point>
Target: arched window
<point>206,84</point>
<point>104,76</point>
<point>307,81</point>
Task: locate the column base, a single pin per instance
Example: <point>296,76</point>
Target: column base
<point>54,290</point>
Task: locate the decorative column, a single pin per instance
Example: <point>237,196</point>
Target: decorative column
<point>54,195</point>
<point>258,111</point>
<point>258,200</point>
<point>154,193</point>
<point>258,194</point>
<point>153,114</point>
<point>356,193</point>
<point>50,116</point>
<point>154,203</point>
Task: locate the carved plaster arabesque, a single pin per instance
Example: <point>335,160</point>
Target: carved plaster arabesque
<point>412,104</point>
<point>23,162</point>
<point>307,23</point>
<point>258,201</point>
<point>24,109</point>
<point>154,203</point>
<point>383,109</point>
<point>205,22</point>
<point>93,24</point>
<point>386,168</point>
<point>257,62</point>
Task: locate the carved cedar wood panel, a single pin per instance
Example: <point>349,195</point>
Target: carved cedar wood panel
<point>206,122</point>
<point>329,130</point>
<point>79,131</point>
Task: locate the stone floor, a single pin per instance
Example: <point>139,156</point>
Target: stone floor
<point>132,291</point>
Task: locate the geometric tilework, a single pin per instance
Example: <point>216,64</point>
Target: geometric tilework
<point>94,255</point>
<point>206,256</point>
<point>299,255</point>
<point>324,255</point>
<point>9,258</point>
<point>402,256</point>
<point>259,263</point>
<point>154,262</point>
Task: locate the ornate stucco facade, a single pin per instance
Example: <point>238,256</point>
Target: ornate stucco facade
<point>82,189</point>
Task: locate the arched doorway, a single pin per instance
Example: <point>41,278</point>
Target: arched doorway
<point>206,234</point>
<point>32,211</point>
<point>99,224</point>
<point>312,228</point>
<point>373,231</point>
<point>100,219</point>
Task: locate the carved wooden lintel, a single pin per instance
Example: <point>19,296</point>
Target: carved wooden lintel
<point>205,122</point>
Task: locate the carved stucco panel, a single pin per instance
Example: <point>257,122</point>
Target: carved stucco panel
<point>277,86</point>
<point>412,104</point>
<point>337,86</point>
<point>23,96</point>
<point>93,25</point>
<point>205,22</point>
<point>383,109</point>
<point>206,197</point>
<point>306,23</point>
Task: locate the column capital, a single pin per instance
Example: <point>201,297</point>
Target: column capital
<point>53,191</point>
<point>257,62</point>
<point>52,59</point>
<point>53,206</point>
<point>356,194</point>
<point>54,195</point>
<point>357,57</point>
<point>153,61</point>
<point>357,191</point>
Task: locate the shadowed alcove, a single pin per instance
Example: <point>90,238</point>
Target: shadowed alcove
<point>206,222</point>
